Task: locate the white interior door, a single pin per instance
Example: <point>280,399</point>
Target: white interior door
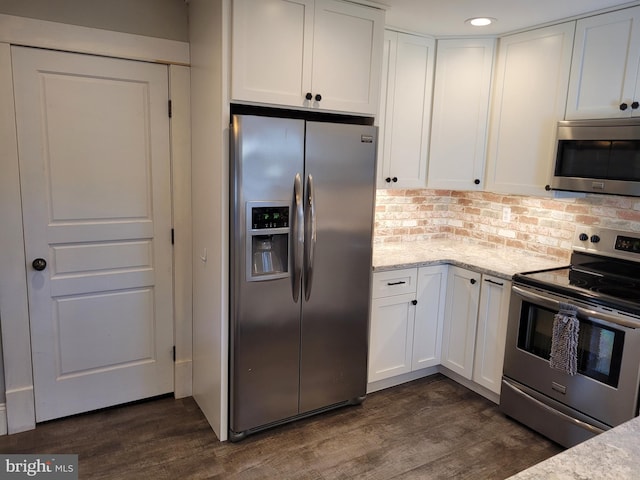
<point>93,138</point>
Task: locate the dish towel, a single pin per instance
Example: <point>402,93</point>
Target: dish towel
<point>564,340</point>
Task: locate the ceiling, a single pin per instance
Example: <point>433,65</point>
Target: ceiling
<point>446,17</point>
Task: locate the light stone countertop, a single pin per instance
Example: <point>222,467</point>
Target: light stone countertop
<point>500,262</point>
<point>614,454</point>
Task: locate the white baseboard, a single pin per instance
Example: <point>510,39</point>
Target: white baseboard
<point>183,372</point>
<point>399,379</point>
<point>20,409</point>
<point>3,419</point>
<point>479,389</point>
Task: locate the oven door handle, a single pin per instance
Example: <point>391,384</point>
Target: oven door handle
<point>553,411</point>
<point>584,312</point>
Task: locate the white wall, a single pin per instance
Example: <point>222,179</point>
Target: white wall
<point>209,133</point>
<point>153,18</point>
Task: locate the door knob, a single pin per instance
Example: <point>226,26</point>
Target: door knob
<point>473,281</point>
<point>39,264</point>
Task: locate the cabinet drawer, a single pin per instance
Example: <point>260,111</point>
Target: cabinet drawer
<point>394,282</point>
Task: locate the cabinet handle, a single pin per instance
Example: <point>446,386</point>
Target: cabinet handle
<point>477,181</point>
<point>318,97</point>
<point>401,282</point>
<point>388,179</point>
<point>414,302</point>
<point>547,188</point>
<point>494,282</point>
<point>473,281</point>
<point>308,96</point>
<point>635,105</point>
<point>623,106</point>
<point>394,179</point>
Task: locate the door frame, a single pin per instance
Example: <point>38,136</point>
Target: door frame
<point>14,311</point>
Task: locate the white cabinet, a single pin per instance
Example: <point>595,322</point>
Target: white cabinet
<point>460,321</point>
<point>319,54</point>
<point>460,114</point>
<point>406,321</point>
<point>475,326</point>
<point>392,323</point>
<point>429,316</point>
<point>529,97</point>
<point>604,73</point>
<point>405,110</point>
<point>491,332</point>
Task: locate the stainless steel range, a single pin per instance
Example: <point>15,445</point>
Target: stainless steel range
<point>602,289</point>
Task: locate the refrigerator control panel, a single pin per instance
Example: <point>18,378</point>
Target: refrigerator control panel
<point>269,217</point>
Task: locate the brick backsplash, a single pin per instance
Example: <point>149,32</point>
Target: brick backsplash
<point>537,225</point>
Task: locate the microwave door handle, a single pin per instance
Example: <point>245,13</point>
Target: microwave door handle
<point>584,312</point>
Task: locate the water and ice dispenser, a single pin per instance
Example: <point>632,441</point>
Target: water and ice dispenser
<point>267,241</point>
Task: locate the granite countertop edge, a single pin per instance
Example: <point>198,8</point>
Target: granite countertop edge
<point>499,262</point>
<point>614,455</point>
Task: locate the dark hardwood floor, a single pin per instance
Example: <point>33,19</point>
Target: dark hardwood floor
<point>427,429</point>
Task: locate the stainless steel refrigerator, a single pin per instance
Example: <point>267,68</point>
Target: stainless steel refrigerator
<point>301,222</point>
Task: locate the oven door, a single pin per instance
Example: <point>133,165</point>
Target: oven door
<point>606,385</point>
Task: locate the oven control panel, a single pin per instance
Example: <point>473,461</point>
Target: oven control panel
<point>627,244</point>
<point>612,243</point>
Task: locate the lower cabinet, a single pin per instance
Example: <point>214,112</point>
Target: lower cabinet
<point>406,321</point>
<point>475,326</point>
<point>438,315</point>
<point>491,332</point>
<point>460,320</point>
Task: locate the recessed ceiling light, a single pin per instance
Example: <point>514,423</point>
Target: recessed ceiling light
<point>480,21</point>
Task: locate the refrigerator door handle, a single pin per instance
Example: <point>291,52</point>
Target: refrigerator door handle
<point>297,237</point>
<point>309,237</point>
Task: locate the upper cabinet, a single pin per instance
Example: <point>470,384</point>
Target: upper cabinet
<point>460,114</point>
<point>529,97</point>
<point>405,110</point>
<point>604,72</point>
<point>322,54</point>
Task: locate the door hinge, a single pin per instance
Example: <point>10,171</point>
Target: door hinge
<point>174,353</point>
<point>170,110</point>
<point>173,237</point>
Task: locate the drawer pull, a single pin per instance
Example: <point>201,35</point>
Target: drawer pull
<point>401,282</point>
<point>488,280</point>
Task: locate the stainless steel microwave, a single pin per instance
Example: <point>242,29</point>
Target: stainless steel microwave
<point>598,156</point>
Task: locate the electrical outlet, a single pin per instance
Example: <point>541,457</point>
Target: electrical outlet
<point>506,214</point>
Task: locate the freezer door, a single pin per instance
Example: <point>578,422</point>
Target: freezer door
<point>340,169</point>
<point>266,155</point>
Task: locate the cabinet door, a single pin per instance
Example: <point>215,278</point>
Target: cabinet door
<point>460,114</point>
<point>271,50</point>
<point>605,66</point>
<point>391,336</point>
<point>405,119</point>
<point>460,318</point>
<point>532,72</point>
<point>347,56</point>
<point>427,332</point>
<point>492,331</point>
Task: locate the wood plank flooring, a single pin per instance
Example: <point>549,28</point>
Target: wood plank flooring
<point>432,428</point>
